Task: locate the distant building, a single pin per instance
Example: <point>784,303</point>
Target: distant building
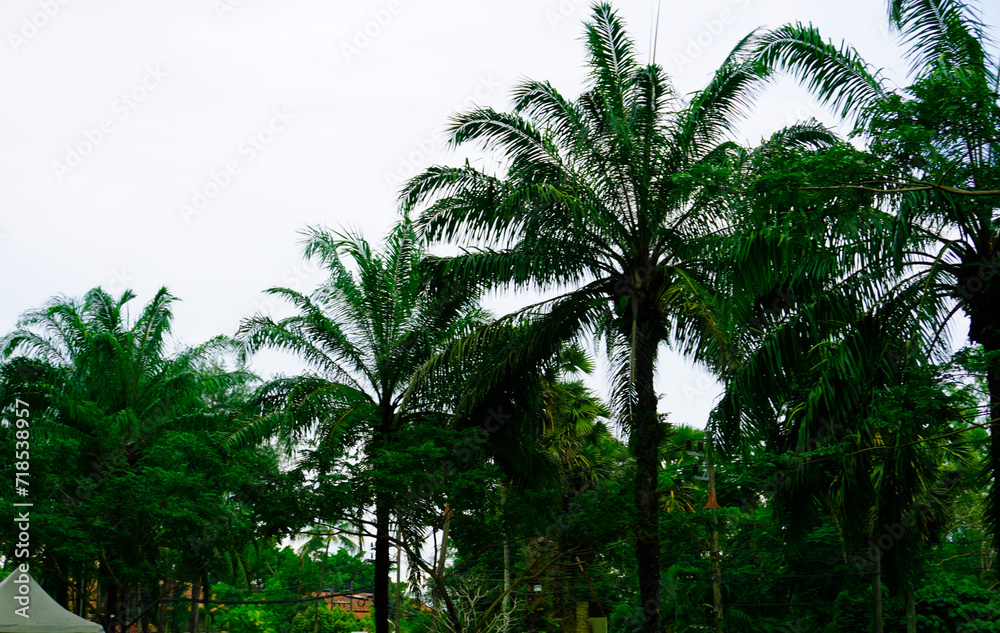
<point>356,603</point>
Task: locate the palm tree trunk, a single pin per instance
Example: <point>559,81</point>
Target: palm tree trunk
<point>984,328</point>
<point>993,505</point>
<point>646,437</point>
<point>383,512</point>
<point>383,564</point>
<point>507,555</point>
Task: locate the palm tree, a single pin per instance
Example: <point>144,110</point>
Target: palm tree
<point>110,387</point>
<point>363,334</point>
<point>935,143</point>
<point>831,334</point>
<point>608,199</point>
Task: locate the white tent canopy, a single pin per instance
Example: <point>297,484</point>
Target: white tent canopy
<point>21,596</point>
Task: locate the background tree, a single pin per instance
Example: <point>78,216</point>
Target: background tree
<point>130,479</point>
<point>935,163</point>
<point>363,334</point>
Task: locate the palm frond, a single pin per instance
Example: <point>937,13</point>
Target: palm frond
<point>942,35</point>
<point>838,76</point>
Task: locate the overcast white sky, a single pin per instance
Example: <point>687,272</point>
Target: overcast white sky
<point>185,142</point>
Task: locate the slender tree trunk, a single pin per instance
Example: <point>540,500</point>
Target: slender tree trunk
<point>443,554</point>
<point>646,437</point>
<point>507,557</point>
<point>161,624</point>
<point>456,622</point>
<point>983,310</point>
<point>399,579</point>
<point>319,590</point>
<point>911,607</point>
<point>716,577</point>
<point>713,505</point>
<point>877,626</point>
<point>195,612</point>
<point>506,572</point>
<point>62,582</point>
<point>993,505</point>
<point>97,595</point>
<point>206,597</point>
<point>111,608</point>
<point>383,564</point>
<point>81,593</point>
<point>435,604</point>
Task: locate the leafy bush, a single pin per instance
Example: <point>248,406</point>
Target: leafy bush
<point>322,619</point>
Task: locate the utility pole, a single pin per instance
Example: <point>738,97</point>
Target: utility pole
<point>712,504</point>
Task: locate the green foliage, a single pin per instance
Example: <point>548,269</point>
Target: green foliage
<point>249,619</point>
<point>932,160</point>
<point>281,574</point>
<point>957,603</point>
<point>322,619</point>
<point>816,277</point>
<point>130,481</point>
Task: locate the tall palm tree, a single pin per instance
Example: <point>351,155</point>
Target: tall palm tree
<point>363,334</point>
<point>111,386</point>
<point>938,166</point>
<point>607,199</point>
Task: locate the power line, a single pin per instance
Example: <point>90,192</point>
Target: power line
<point>352,594</point>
